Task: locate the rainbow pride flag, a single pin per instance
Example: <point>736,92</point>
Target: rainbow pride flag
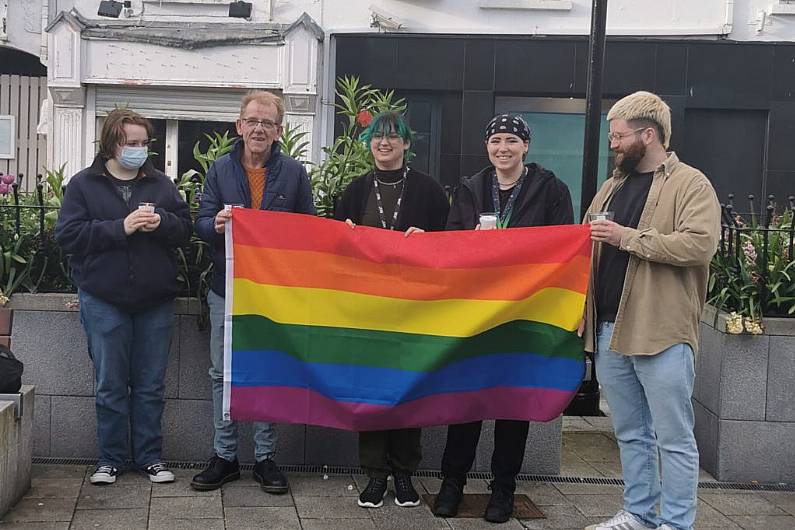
<point>365,329</point>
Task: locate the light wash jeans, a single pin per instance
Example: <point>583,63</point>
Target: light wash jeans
<point>649,399</point>
<point>130,354</point>
<point>225,440</point>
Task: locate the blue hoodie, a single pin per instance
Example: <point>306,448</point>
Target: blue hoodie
<point>287,189</point>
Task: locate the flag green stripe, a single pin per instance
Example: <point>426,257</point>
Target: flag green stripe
<point>404,351</point>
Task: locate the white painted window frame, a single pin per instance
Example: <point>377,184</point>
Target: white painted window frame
<point>539,5</point>
<point>8,150</point>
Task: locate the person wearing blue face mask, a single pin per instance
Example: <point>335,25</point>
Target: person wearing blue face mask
<point>121,221</point>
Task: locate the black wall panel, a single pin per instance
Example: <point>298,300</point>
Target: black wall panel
<point>479,66</point>
<point>784,73</point>
<point>477,110</point>
<point>781,155</point>
<point>671,69</point>
<point>544,67</point>
<point>729,75</point>
<point>629,66</point>
<point>421,66</point>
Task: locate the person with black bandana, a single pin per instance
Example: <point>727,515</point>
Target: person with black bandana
<point>392,196</point>
<point>519,195</point>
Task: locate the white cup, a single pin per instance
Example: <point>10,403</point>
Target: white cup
<point>488,221</point>
<point>148,207</point>
<point>600,216</point>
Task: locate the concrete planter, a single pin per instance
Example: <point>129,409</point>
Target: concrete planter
<point>745,418</point>
<point>49,339</point>
<point>16,447</point>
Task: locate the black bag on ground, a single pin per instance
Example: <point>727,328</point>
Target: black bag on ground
<point>10,372</point>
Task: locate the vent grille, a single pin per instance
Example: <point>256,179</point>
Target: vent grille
<point>342,470</point>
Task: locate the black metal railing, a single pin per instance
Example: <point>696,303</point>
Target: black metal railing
<point>748,243</point>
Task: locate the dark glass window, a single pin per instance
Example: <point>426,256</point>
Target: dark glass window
<point>191,132</point>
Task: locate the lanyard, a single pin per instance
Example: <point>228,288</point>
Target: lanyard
<point>380,202</point>
<point>505,218</point>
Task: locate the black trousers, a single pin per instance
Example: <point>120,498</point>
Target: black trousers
<point>510,437</point>
<point>382,452</point>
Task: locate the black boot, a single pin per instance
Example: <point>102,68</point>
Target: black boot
<point>217,473</point>
<point>450,494</point>
<point>269,476</point>
<point>500,507</point>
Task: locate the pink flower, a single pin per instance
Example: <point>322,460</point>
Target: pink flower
<point>4,188</point>
<point>8,179</point>
<point>363,118</point>
<point>750,252</point>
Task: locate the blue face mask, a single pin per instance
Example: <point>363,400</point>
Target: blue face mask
<point>133,157</point>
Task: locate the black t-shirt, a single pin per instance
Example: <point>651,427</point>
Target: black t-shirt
<point>390,187</point>
<point>124,187</point>
<point>627,205</point>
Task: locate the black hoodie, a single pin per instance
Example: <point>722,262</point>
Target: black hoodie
<point>543,200</point>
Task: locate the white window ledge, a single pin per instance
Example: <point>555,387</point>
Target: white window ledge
<point>783,8</point>
<point>546,5</point>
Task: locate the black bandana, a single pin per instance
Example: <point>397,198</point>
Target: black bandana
<point>506,123</point>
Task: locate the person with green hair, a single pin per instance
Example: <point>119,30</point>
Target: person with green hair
<point>392,196</point>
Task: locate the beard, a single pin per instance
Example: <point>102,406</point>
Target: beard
<point>629,159</point>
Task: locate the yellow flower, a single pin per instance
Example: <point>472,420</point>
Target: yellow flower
<point>734,323</point>
<point>754,326</point>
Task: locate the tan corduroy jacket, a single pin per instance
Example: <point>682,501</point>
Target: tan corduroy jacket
<point>666,281</point>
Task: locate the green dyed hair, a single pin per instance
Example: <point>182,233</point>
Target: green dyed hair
<point>385,123</point>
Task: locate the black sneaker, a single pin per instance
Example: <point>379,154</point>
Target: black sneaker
<point>271,479</point>
<point>405,494</point>
<point>449,498</point>
<point>217,473</point>
<point>373,495</point>
<point>103,474</point>
<point>159,473</point>
<point>500,507</point>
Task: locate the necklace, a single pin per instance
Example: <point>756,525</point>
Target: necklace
<point>381,182</point>
<point>508,185</point>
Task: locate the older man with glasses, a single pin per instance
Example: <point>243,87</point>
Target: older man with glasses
<point>254,175</point>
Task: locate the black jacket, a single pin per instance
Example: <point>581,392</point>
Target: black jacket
<point>135,272</point>
<point>543,200</point>
<point>287,189</point>
<point>424,205</point>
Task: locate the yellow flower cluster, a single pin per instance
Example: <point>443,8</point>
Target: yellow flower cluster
<point>754,326</point>
<point>734,323</point>
<point>3,299</point>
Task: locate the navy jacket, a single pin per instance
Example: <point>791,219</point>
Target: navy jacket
<point>135,272</point>
<point>287,189</point>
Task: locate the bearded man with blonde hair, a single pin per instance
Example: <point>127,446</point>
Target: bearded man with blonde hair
<point>651,264</point>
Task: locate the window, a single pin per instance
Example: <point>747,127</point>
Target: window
<point>424,117</point>
<point>8,134</point>
<point>558,127</point>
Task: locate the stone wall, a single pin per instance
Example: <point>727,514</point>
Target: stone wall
<point>48,338</point>
<point>743,399</point>
<point>16,448</point>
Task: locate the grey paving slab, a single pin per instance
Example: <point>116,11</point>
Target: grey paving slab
<point>709,517</point>
<point>187,429</point>
<point>314,485</point>
<point>588,489</point>
<point>607,469</point>
<point>181,486</point>
<point>166,508</point>
<point>576,424</point>
<point>765,522</point>
<point>115,496</point>
<point>597,505</point>
<point>557,517</point>
<point>781,379</point>
<point>41,510</point>
<point>254,497</point>
<point>34,526</point>
<point>172,368</point>
<point>74,427</point>
<point>572,465</point>
<point>432,485</point>
<point>542,494</point>
<point>784,500</point>
<point>420,517</point>
<point>186,524</point>
<point>337,524</point>
<point>48,471</point>
<point>41,425</point>
<point>194,360</point>
<point>258,518</point>
<point>126,519</point>
<point>54,488</point>
<point>591,446</point>
<point>460,523</point>
<point>331,508</point>
<point>743,372</point>
<point>741,504</point>
<point>756,450</point>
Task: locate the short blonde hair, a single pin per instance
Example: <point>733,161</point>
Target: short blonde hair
<point>264,97</point>
<point>644,106</point>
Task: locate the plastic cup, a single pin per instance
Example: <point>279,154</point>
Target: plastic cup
<point>600,216</point>
<point>148,207</point>
<point>488,221</point>
<point>228,207</point>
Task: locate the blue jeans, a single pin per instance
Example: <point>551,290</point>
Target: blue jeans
<point>649,399</point>
<point>130,354</point>
<point>225,440</point>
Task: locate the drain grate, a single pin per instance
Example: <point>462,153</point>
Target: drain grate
<point>343,470</point>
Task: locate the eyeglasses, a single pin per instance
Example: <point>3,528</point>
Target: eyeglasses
<point>268,125</point>
<point>139,143</point>
<point>617,137</point>
<point>378,135</point>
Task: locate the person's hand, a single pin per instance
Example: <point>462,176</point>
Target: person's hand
<point>477,226</point>
<point>581,327</point>
<point>350,223</point>
<point>605,231</point>
<point>220,220</point>
<point>136,220</point>
<point>153,224</point>
<point>413,230</point>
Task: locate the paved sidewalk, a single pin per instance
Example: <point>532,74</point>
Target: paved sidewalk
<point>62,498</point>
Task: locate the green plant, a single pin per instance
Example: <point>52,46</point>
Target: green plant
<point>294,143</point>
<point>754,279</point>
<point>347,157</point>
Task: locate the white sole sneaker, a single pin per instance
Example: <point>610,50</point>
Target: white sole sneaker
<point>408,504</point>
<point>103,475</point>
<point>161,477</point>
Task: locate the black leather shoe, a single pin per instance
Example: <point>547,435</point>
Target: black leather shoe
<point>500,507</point>
<point>450,494</point>
<point>269,476</point>
<point>217,473</point>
